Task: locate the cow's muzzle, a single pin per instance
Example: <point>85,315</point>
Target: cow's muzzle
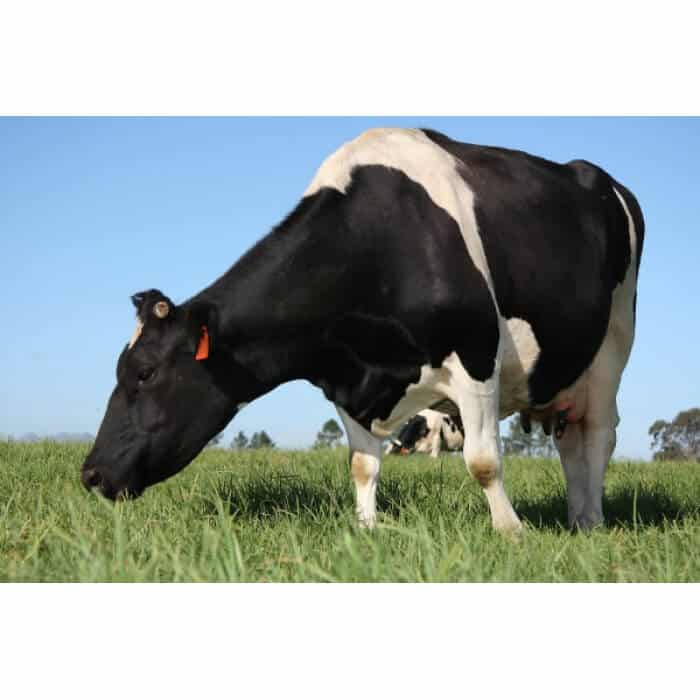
<point>94,480</point>
<point>91,478</point>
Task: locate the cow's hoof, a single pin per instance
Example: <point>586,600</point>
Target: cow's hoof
<point>510,528</point>
<point>366,522</point>
<point>585,524</point>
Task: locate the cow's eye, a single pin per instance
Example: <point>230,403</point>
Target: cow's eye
<point>146,374</point>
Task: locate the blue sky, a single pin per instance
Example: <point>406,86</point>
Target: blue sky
<point>92,210</point>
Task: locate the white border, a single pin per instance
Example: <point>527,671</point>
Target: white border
<point>363,58</point>
<point>348,58</point>
<point>348,641</point>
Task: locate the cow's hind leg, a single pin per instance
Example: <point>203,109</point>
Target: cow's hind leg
<point>599,434</point>
<point>601,418</point>
<point>573,460</point>
<point>596,435</point>
<point>365,460</point>
<point>585,450</point>
<point>478,407</point>
<point>598,443</point>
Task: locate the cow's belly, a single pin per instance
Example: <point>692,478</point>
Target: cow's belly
<point>520,353</point>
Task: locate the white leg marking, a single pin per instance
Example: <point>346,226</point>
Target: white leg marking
<point>365,460</point>
<point>478,406</point>
<point>435,445</point>
<point>421,160</point>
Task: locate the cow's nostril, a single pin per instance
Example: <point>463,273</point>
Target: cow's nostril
<point>91,478</point>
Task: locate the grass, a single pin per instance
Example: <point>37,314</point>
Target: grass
<point>260,515</point>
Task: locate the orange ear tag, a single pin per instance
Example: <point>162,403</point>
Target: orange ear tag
<point>203,347</point>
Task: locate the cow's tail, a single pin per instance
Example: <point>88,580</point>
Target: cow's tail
<point>637,218</point>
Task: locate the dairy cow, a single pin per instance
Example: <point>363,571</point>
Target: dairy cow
<point>427,433</point>
<point>511,287</point>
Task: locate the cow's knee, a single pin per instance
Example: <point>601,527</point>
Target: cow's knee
<point>483,467</point>
<point>365,473</point>
<point>364,468</point>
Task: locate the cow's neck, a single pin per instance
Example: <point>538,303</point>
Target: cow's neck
<point>274,309</point>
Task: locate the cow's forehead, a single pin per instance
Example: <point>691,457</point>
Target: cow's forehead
<point>152,339</point>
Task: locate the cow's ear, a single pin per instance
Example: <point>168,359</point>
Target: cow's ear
<point>202,319</point>
<point>137,300</point>
<point>151,301</point>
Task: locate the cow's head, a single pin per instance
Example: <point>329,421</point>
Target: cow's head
<point>394,447</point>
<point>405,443</point>
<point>173,395</point>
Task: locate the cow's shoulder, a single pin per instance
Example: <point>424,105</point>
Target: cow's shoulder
<point>407,150</point>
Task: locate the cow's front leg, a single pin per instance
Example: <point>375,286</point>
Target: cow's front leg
<point>365,460</point>
<point>478,407</point>
<point>435,444</point>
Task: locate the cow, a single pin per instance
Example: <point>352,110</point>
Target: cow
<point>427,433</point>
<point>511,287</point>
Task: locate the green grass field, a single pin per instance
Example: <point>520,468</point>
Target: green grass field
<point>289,516</point>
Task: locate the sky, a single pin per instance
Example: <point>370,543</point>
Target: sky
<point>95,209</point>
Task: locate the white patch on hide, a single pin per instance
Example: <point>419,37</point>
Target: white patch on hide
<point>452,436</point>
<point>423,161</point>
<point>136,334</point>
<point>520,353</point>
<point>427,391</point>
<point>430,444</point>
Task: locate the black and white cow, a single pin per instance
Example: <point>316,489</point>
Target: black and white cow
<point>427,433</point>
<point>512,286</point>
